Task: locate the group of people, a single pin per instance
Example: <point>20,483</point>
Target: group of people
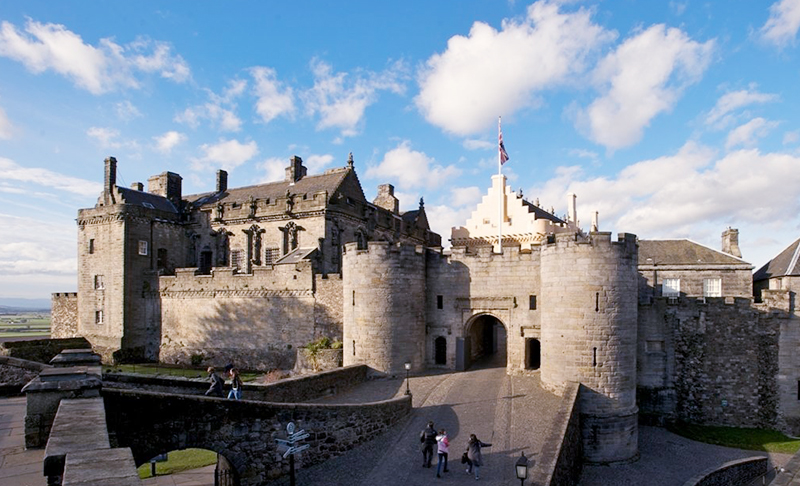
<point>472,456</point>
<point>217,388</point>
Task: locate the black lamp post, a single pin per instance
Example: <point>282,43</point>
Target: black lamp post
<point>522,469</point>
<point>408,368</point>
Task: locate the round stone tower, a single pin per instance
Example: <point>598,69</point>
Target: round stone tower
<point>384,306</point>
<point>589,321</point>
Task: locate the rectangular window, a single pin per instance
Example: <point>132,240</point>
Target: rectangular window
<point>98,317</point>
<point>712,287</point>
<point>161,261</point>
<point>671,287</point>
<point>532,302</point>
<point>91,246</point>
<point>440,302</point>
<point>236,259</point>
<point>98,282</point>
<point>271,255</point>
<point>142,247</point>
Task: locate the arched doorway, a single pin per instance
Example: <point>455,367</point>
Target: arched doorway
<point>484,343</point>
<point>440,350</point>
<point>533,354</point>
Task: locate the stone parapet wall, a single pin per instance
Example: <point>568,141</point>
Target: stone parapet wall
<point>290,390</point>
<point>244,432</point>
<point>41,350</point>
<point>64,315</point>
<point>561,459</point>
<point>742,472</point>
<point>328,316</point>
<point>15,373</point>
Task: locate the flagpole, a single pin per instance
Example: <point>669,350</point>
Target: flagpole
<point>502,188</point>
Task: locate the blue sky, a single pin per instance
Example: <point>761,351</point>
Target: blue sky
<point>672,119</point>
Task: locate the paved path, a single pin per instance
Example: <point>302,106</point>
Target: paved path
<point>18,467</point>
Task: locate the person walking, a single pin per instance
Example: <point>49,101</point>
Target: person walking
<point>236,385</point>
<point>217,384</point>
<point>443,448</point>
<point>428,439</point>
<point>474,454</point>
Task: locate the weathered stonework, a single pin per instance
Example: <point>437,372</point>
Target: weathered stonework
<point>64,315</point>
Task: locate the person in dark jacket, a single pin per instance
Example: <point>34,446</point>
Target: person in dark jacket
<point>236,385</point>
<point>428,439</point>
<point>474,454</point>
<point>217,383</point>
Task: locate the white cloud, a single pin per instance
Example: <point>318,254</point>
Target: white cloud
<point>110,138</point>
<point>227,154</point>
<point>465,196</point>
<point>340,99</point>
<point>44,177</point>
<point>683,194</point>
<point>273,99</point>
<point>274,169</point>
<point>783,23</point>
<point>316,163</point>
<point>443,218</point>
<point>791,137</point>
<point>219,110</point>
<point>107,67</point>
<point>411,169</point>
<point>749,133</point>
<point>720,116</point>
<point>479,145</point>
<point>491,73</point>
<point>641,79</point>
<point>126,111</point>
<point>5,126</point>
<point>169,140</point>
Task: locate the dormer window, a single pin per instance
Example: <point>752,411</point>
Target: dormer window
<point>148,205</point>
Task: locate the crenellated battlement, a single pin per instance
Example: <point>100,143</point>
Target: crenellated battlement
<point>385,248</point>
<point>282,278</point>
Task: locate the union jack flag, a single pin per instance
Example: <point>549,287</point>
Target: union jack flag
<point>502,148</point>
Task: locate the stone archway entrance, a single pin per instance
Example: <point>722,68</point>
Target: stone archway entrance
<point>484,343</point>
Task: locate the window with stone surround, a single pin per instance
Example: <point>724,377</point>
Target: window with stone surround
<point>532,302</point>
<point>98,282</point>
<point>671,287</point>
<point>143,247</point>
<point>271,255</point>
<point>98,317</point>
<point>90,248</point>
<point>712,287</point>
<point>236,259</point>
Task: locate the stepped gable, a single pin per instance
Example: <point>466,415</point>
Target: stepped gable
<point>146,199</point>
<point>332,181</point>
<point>682,252</point>
<point>783,265</point>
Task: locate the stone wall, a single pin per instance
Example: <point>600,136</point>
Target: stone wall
<point>780,306</point>
<point>290,390</point>
<point>244,432</point>
<point>561,459</point>
<point>328,305</point>
<point>64,315</point>
<point>742,472</point>
<point>15,373</point>
<point>710,361</point>
<point>41,350</point>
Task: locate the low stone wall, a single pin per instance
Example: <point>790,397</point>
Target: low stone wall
<point>15,373</point>
<point>323,359</point>
<point>561,458</point>
<point>741,472</point>
<point>290,390</point>
<point>244,432</point>
<point>41,350</point>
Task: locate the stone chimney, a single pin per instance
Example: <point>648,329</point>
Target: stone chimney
<point>730,242</point>
<point>572,208</point>
<point>386,199</point>
<point>222,180</point>
<point>110,180</point>
<point>595,222</point>
<point>296,170</point>
<point>166,184</point>
<point>137,186</point>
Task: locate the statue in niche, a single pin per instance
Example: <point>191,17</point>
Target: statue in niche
<point>254,243</point>
<point>191,257</point>
<point>223,246</point>
<point>220,211</point>
<point>289,201</point>
<point>253,206</point>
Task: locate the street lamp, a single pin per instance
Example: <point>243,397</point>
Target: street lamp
<point>522,469</point>
<point>407,365</point>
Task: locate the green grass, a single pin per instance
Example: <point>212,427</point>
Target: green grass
<point>178,461</point>
<point>750,439</point>
<point>35,325</point>
<point>153,369</point>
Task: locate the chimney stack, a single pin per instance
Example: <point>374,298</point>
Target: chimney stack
<point>222,181</point>
<point>386,199</point>
<point>110,180</point>
<point>572,208</point>
<point>137,186</point>
<point>296,170</point>
<point>730,242</point>
<point>166,184</point>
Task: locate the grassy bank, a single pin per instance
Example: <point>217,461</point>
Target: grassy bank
<point>750,439</point>
<point>178,461</point>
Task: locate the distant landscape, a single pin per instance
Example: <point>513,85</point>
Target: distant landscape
<point>11,305</point>
<point>24,318</point>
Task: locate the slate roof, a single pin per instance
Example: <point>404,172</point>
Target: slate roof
<point>785,264</point>
<point>296,256</point>
<point>329,181</point>
<point>145,199</point>
<point>683,252</point>
<point>541,213</point>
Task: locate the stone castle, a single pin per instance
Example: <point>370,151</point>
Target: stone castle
<point>654,330</point>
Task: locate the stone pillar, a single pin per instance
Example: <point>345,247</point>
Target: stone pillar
<point>45,392</point>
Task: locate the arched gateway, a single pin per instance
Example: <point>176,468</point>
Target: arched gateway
<point>484,340</point>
